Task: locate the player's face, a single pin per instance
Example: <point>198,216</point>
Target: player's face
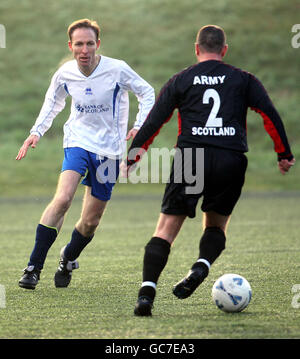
<point>84,45</point>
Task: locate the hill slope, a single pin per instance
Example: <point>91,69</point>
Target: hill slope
<point>156,38</point>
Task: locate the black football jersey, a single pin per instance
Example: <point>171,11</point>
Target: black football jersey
<point>212,99</point>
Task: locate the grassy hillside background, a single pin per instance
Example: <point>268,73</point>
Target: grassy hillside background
<point>156,38</point>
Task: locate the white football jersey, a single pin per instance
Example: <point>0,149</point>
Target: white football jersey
<point>100,106</point>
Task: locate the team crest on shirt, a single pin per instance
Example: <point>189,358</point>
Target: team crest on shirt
<point>88,91</point>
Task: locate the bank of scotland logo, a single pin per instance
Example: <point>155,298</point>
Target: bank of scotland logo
<point>79,108</point>
<point>91,108</point>
<point>88,91</point>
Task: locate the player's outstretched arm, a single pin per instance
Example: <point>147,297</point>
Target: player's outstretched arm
<point>31,141</point>
<point>285,165</point>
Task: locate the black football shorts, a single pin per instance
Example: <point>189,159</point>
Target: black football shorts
<point>219,175</point>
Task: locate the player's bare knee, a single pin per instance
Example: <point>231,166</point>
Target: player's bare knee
<point>89,225</point>
<point>62,202</point>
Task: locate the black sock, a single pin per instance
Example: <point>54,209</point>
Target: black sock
<point>156,256</point>
<point>45,237</point>
<point>212,243</point>
<point>76,245</point>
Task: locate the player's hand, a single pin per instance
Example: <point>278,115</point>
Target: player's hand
<point>31,141</point>
<point>285,165</point>
<point>126,170</point>
<point>131,134</point>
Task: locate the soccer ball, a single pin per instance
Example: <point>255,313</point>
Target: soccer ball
<point>231,293</point>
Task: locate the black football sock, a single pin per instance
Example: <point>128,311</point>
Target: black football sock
<point>76,245</point>
<point>212,244</point>
<point>45,237</point>
<point>156,256</point>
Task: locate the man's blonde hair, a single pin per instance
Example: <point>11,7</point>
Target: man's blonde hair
<point>84,23</point>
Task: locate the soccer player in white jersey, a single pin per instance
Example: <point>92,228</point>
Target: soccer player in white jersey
<point>94,141</point>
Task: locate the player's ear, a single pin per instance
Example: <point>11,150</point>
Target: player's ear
<point>224,50</point>
<point>197,50</point>
<point>98,43</point>
<point>70,45</point>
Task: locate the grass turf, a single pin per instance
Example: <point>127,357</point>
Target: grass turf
<point>262,245</point>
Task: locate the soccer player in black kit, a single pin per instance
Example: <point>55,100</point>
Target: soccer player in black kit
<point>212,99</point>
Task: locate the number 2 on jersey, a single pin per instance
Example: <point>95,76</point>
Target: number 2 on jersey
<point>213,120</point>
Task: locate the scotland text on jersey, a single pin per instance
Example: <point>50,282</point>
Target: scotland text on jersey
<point>213,131</point>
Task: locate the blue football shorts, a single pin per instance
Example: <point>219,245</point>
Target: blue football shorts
<point>100,173</point>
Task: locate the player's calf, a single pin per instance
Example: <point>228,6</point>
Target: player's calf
<point>156,256</point>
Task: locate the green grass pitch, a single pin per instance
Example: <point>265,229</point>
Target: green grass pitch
<point>262,245</point>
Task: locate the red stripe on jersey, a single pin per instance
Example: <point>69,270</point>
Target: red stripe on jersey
<point>179,124</point>
<point>272,131</point>
<point>146,145</point>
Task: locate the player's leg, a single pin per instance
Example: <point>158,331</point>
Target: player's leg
<point>168,226</point>
<point>49,226</point>
<point>83,233</point>
<point>54,214</point>
<point>224,179</point>
<point>212,243</point>
<point>92,211</point>
<point>174,210</point>
<point>155,259</point>
<point>213,239</point>
<point>100,179</point>
<point>214,219</point>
